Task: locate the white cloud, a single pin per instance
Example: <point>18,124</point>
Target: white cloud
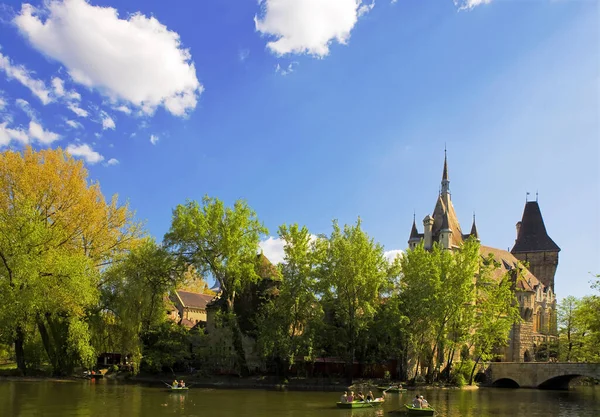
<point>273,249</point>
<point>391,254</point>
<point>243,54</point>
<point>74,124</point>
<point>36,131</point>
<point>59,87</point>
<point>25,77</point>
<point>7,135</point>
<point>469,4</point>
<point>2,103</point>
<point>107,121</point>
<point>27,109</point>
<point>153,139</point>
<point>285,71</point>
<point>112,161</point>
<point>308,26</point>
<point>123,109</point>
<point>77,110</point>
<point>136,60</point>
<point>85,152</point>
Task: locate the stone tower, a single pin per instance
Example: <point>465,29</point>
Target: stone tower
<point>534,246</point>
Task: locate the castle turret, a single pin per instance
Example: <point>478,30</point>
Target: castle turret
<point>428,236</point>
<point>534,246</point>
<point>474,230</point>
<point>415,237</point>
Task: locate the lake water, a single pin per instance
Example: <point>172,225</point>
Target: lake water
<point>104,398</point>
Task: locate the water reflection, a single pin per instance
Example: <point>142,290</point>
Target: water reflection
<point>53,399</point>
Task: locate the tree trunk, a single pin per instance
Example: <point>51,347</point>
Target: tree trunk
<point>238,344</point>
<point>47,344</point>
<point>473,370</point>
<point>19,350</point>
<point>350,366</point>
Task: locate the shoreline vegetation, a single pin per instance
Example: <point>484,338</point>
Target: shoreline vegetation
<point>83,285</point>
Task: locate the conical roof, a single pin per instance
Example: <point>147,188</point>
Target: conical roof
<point>414,233</point>
<point>474,229</point>
<point>532,236</point>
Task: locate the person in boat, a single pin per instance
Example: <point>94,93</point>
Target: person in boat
<point>417,403</point>
<point>181,384</point>
<point>350,397</point>
<point>175,384</point>
<point>344,397</point>
<point>424,402</point>
<point>370,396</point>
<point>399,386</point>
<point>361,397</point>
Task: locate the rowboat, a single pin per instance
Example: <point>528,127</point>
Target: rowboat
<point>412,411</point>
<point>361,404</point>
<point>178,389</point>
<point>392,389</point>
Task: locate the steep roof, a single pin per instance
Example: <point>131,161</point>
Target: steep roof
<point>532,236</point>
<point>265,269</point>
<point>194,300</point>
<point>508,262</point>
<point>443,208</point>
<point>474,229</point>
<point>414,233</point>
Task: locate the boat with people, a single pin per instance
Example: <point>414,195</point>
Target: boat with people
<point>361,404</point>
<point>414,411</point>
<point>176,386</point>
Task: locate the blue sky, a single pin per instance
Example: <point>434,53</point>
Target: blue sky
<point>322,109</point>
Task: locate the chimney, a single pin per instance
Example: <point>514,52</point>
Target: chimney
<point>427,238</point>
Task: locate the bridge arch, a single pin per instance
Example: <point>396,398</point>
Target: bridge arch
<point>559,382</point>
<point>505,383</point>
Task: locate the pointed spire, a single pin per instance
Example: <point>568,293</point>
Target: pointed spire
<point>414,233</point>
<point>445,180</point>
<point>474,229</point>
<point>445,173</point>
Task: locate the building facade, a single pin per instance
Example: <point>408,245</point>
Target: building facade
<point>532,262</point>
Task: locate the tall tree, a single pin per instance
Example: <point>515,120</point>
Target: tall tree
<point>567,326</point>
<point>289,322</point>
<point>133,297</point>
<point>56,233</point>
<point>223,242</point>
<point>354,274</point>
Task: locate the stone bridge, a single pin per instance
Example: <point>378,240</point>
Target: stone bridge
<point>545,375</point>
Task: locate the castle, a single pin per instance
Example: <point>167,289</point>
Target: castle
<point>533,247</point>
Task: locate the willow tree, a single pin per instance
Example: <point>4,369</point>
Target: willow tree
<point>133,296</point>
<point>353,276</point>
<point>56,233</point>
<point>222,242</point>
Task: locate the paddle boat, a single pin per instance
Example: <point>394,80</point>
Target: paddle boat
<point>412,411</point>
<point>178,389</point>
<point>361,404</point>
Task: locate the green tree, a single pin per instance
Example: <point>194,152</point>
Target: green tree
<point>56,233</point>
<point>288,323</point>
<point>133,298</point>
<point>223,242</point>
<point>497,311</point>
<point>567,326</point>
<point>438,321</point>
<point>353,276</point>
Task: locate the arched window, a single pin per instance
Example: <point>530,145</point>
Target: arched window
<point>538,320</point>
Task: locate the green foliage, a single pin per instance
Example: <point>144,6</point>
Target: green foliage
<point>133,297</point>
<point>353,277</point>
<point>289,323</point>
<point>579,327</point>
<point>222,242</point>
<point>166,348</point>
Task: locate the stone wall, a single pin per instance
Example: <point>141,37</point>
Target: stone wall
<point>541,264</point>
